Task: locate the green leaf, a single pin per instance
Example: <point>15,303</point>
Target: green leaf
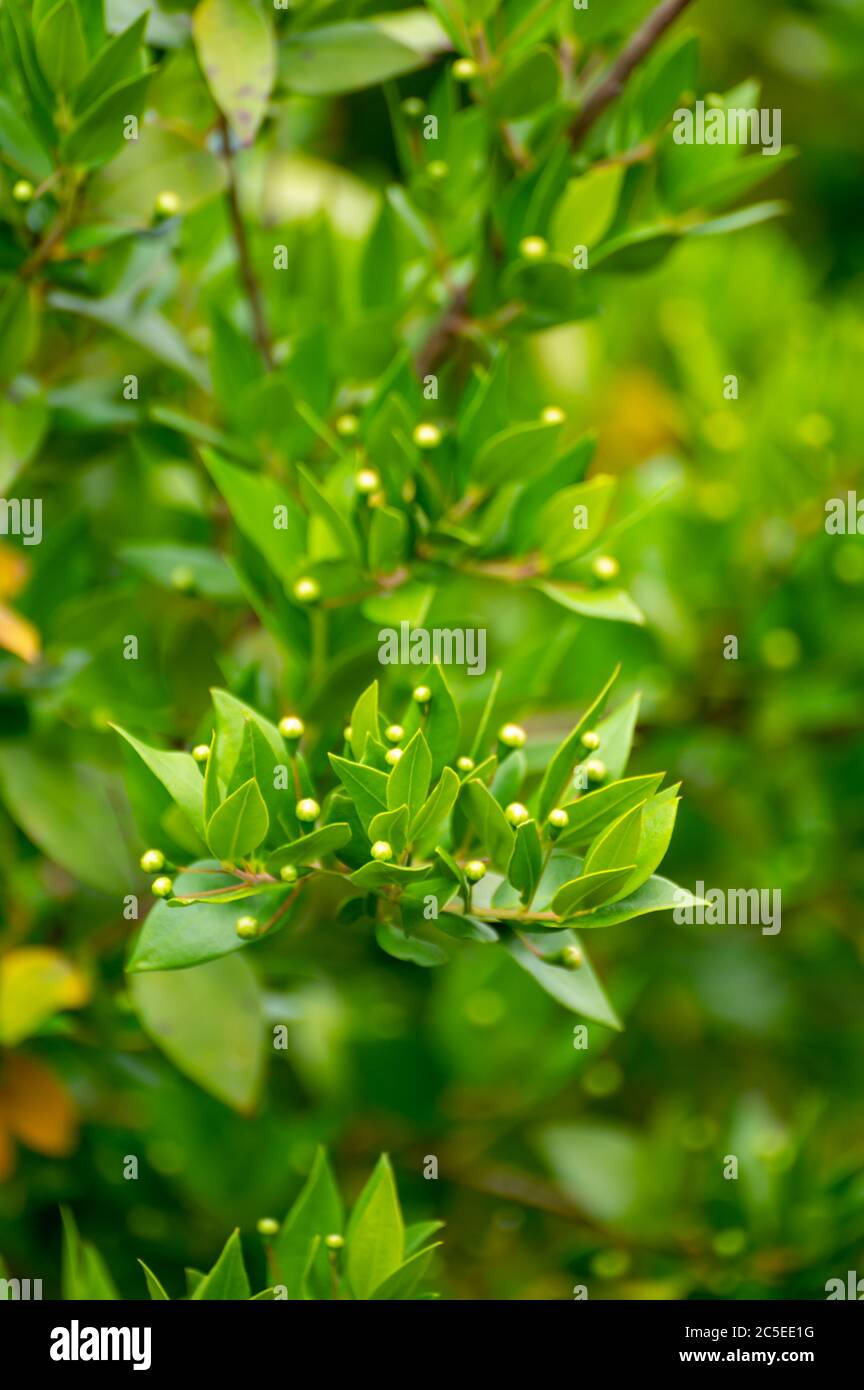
<point>486,717</point>
<point>408,783</point>
<point>98,134</point>
<point>237,53</point>
<point>387,537</point>
<point>317,1212</point>
<point>437,806</point>
<point>155,1289</point>
<point>117,60</point>
<point>364,720</point>
<point>404,1280</point>
<point>232,716</point>
<point>22,428</point>
<point>586,208</point>
<point>239,825</point>
<point>523,870</point>
<point>179,774</point>
<point>228,1278</point>
<point>594,811</point>
<point>84,1274</point>
<point>347,57</point>
<point>258,763</point>
<point>208,1021</point>
<point>529,83</point>
<point>573,520</point>
<point>212,790</point>
<point>18,325</point>
<point>594,887</point>
<point>656,895</point>
<point>366,786</point>
<point>616,737</point>
<point>174,938</point>
<point>658,823</point>
<point>376,1234</point>
<point>392,939</point>
<point>311,847</point>
<point>61,48</point>
<point>20,142</point>
<point>490,824</point>
<point>256,502</point>
<point>519,452</point>
<point>578,990</point>
<point>613,605</point>
<point>342,534</point>
<point>617,844</point>
<point>376,875</point>
<point>568,754</point>
<point>441,727</point>
<point>207,571</point>
<point>391,826</point>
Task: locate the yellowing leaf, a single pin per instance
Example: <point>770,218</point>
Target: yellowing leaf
<point>35,982</point>
<point>18,636</point>
<point>235,47</point>
<point>35,1107</point>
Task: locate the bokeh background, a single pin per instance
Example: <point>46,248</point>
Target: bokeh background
<point>558,1167</point>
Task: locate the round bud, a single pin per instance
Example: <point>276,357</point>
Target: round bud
<point>288,873</point>
<point>347,733</point>
<point>334,1242</point>
<point>465,764</point>
<point>437,169</point>
<point>306,590</point>
<point>366,480</point>
<point>167,203</point>
<point>201,752</point>
<point>307,810</point>
<point>162,887</point>
<point>591,740</point>
<point>605,567</point>
<point>475,869</point>
<point>376,499</point>
<point>23,191</point>
<point>267,1226</point>
<point>421,694</point>
<point>427,436</point>
<point>291,727</point>
<point>464,69</point>
<point>393,755</point>
<point>533,248</point>
<point>596,769</point>
<point>246,928</point>
<point>183,578</point>
<point>552,415</point>
<point>152,860</point>
<point>347,424</point>
<point>558,818</point>
<point>512,735</point>
<point>413,107</point>
<point>394,733</point>
<point>516,813</point>
<point>571,957</point>
<point>382,851</point>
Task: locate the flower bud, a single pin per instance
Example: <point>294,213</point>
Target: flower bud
<point>427,436</point>
<point>382,851</point>
<point>421,694</point>
<point>533,248</point>
<point>512,735</point>
<point>152,860</point>
<point>307,810</point>
<point>394,733</point>
<point>516,813</point>
<point>167,203</point>
<point>558,818</point>
<point>591,740</point>
<point>552,415</point>
<point>267,1226</point>
<point>162,887</point>
<point>464,69</point>
<point>596,769</point>
<point>306,590</point>
<point>366,480</point>
<point>23,191</point>
<point>246,928</point>
<point>201,752</point>
<point>393,755</point>
<point>347,424</point>
<point>475,869</point>
<point>465,764</point>
<point>334,1242</point>
<point>288,873</point>
<point>291,727</point>
<point>571,957</point>
<point>605,567</point>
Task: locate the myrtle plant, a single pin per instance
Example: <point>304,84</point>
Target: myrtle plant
<point>317,1252</point>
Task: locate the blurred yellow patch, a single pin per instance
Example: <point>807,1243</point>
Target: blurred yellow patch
<point>35,1109</point>
<point>18,636</point>
<point>36,982</point>
<point>13,571</point>
<point>638,418</point>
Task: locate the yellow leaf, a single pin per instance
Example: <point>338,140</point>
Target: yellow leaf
<point>36,1107</point>
<point>18,636</point>
<point>35,982</point>
<point>13,568</point>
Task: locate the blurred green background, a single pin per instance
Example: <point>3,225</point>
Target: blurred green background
<point>559,1167</point>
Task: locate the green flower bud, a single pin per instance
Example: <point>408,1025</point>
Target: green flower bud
<point>382,851</point>
<point>413,107</point>
<point>167,203</point>
<point>162,887</point>
<point>465,764</point>
<point>288,873</point>
<point>347,424</point>
<point>347,733</point>
<point>552,415</point>
<point>183,578</point>
<point>427,436</point>
<point>421,694</point>
<point>591,740</point>
<point>437,169</point>
<point>307,810</point>
<point>464,69</point>
<point>533,248</point>
<point>306,590</point>
<point>334,1242</point>
<point>393,755</point>
<point>475,869</point>
<point>201,752</point>
<point>571,957</point>
<point>246,928</point>
<point>394,733</point>
<point>267,1226</point>
<point>516,813</point>
<point>152,860</point>
<point>291,727</point>
<point>512,735</point>
<point>558,818</point>
<point>605,567</point>
<point>596,770</point>
<point>366,481</point>
<point>23,191</point>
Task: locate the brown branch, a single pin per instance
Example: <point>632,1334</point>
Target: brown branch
<point>613,84</point>
<point>241,243</point>
<point>437,345</point>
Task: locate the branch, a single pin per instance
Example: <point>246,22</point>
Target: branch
<point>241,242</point>
<point>638,48</point>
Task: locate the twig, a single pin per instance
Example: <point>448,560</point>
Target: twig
<point>436,347</point>
<point>638,48</point>
<point>241,242</point>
